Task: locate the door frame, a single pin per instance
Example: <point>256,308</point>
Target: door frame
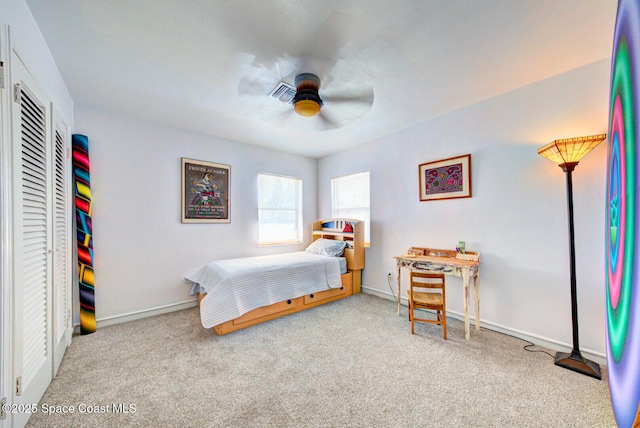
<point>6,230</point>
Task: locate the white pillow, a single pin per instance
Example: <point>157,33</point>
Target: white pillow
<point>327,247</point>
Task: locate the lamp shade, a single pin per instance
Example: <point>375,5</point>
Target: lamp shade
<point>570,150</point>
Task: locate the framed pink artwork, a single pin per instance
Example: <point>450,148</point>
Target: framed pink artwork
<point>445,179</point>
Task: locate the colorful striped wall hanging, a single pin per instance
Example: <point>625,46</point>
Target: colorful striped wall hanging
<point>82,185</point>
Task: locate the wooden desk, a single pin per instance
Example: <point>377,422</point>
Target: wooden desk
<point>465,269</point>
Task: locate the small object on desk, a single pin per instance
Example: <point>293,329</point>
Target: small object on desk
<point>416,251</point>
<point>468,256</point>
<point>461,247</point>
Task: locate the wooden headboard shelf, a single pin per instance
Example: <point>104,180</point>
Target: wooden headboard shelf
<point>334,228</point>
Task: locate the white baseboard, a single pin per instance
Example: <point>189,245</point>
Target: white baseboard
<point>536,340</point>
<point>145,313</point>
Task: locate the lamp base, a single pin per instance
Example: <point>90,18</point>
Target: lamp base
<point>576,362</point>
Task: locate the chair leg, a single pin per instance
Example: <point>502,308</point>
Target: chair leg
<point>444,323</point>
<point>411,317</point>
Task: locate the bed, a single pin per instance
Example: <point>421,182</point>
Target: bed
<point>238,293</point>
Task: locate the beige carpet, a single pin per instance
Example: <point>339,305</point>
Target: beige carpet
<point>351,363</point>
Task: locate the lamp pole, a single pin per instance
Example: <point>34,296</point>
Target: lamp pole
<point>574,360</point>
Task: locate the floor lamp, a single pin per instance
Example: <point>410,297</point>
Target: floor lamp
<point>567,153</point>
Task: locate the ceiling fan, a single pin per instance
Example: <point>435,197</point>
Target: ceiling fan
<point>307,104</point>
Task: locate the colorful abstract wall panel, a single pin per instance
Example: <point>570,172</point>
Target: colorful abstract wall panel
<point>622,278</point>
<point>82,184</point>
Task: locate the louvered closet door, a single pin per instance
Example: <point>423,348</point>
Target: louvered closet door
<point>32,359</point>
<point>61,245</point>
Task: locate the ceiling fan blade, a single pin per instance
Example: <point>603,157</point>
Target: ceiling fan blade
<point>343,110</point>
<point>330,122</point>
<point>323,122</point>
<point>355,95</point>
<point>253,87</point>
<point>338,119</point>
<point>274,112</point>
<point>260,78</point>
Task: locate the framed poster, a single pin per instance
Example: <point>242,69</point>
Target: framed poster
<point>205,192</point>
<point>445,179</point>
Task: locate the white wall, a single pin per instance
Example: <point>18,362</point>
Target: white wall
<point>142,250</point>
<point>29,43</point>
<point>517,217</point>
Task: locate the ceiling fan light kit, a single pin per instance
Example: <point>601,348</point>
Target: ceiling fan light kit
<point>307,102</point>
<point>307,108</point>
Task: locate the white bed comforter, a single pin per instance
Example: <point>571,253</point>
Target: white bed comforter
<point>237,286</point>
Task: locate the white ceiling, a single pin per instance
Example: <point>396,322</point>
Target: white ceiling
<point>208,65</point>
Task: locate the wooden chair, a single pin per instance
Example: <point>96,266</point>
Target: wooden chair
<point>427,291</point>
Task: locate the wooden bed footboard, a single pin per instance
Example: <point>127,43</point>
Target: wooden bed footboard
<point>350,283</point>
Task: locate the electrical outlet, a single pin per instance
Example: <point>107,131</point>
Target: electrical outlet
<point>389,275</point>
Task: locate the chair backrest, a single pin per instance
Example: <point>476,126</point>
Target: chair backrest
<point>427,280</point>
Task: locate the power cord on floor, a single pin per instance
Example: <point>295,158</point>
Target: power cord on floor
<point>395,299</point>
<point>391,288</point>
<point>525,347</point>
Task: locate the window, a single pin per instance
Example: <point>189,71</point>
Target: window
<point>279,210</point>
<point>350,199</point>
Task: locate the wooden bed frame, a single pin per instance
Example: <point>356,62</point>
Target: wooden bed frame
<point>354,253</point>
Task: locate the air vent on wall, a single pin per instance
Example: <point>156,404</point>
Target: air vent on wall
<point>283,92</point>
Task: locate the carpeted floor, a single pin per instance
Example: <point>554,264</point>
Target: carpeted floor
<point>351,363</point>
